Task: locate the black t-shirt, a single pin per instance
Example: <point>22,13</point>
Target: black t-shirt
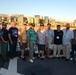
<point>4,34</point>
<point>13,31</point>
<point>58,37</point>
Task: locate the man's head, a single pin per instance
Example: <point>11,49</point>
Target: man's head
<point>32,25</point>
<point>48,25</point>
<point>24,24</point>
<point>58,27</point>
<point>13,24</point>
<point>4,25</point>
<point>67,26</point>
<point>41,26</point>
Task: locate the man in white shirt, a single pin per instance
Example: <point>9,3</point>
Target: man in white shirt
<point>67,37</point>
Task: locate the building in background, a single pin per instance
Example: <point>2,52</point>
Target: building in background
<point>37,20</point>
<point>53,23</point>
<point>74,23</point>
<point>20,19</point>
<point>0,19</point>
<point>46,20</point>
<point>30,20</point>
<point>41,21</point>
<point>9,19</point>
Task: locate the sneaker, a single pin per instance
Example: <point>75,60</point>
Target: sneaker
<point>42,57</point>
<point>11,57</point>
<point>74,62</point>
<point>47,57</point>
<point>7,59</point>
<point>24,59</point>
<point>38,56</point>
<point>71,58</point>
<point>22,56</point>
<point>66,59</point>
<point>63,57</point>
<point>54,57</point>
<point>31,60</point>
<point>58,57</point>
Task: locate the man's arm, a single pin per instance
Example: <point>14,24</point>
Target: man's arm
<point>46,36</point>
<point>20,36</point>
<point>28,36</point>
<point>52,37</point>
<point>3,40</point>
<point>9,36</point>
<point>72,37</point>
<point>1,36</point>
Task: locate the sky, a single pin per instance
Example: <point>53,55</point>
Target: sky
<point>63,10</point>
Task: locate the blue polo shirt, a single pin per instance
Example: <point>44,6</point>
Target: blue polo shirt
<point>4,34</point>
<point>13,31</point>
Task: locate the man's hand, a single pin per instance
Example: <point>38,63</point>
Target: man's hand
<point>5,41</point>
<point>28,44</point>
<point>11,42</point>
<point>20,43</point>
<point>52,42</point>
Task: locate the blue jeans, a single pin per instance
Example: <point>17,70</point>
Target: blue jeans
<point>4,49</point>
<point>12,48</point>
<point>73,49</point>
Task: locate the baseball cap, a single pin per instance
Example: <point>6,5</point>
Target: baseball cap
<point>4,24</point>
<point>32,24</point>
<point>41,24</point>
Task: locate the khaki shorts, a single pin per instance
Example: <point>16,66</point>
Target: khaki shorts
<point>23,46</point>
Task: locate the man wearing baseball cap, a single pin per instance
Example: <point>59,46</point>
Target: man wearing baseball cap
<point>42,40</point>
<point>32,38</point>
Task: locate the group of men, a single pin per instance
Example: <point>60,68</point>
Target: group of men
<point>44,38</point>
<point>8,37</point>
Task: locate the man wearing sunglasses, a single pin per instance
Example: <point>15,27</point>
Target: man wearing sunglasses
<point>32,39</point>
<point>22,39</point>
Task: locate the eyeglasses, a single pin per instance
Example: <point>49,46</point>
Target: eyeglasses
<point>24,24</point>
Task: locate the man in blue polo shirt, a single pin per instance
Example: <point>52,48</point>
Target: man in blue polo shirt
<point>13,36</point>
<point>67,39</point>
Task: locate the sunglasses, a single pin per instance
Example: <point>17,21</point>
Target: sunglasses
<point>24,24</point>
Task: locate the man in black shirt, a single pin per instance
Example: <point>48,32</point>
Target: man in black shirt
<point>13,36</point>
<point>4,41</point>
<point>58,35</point>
